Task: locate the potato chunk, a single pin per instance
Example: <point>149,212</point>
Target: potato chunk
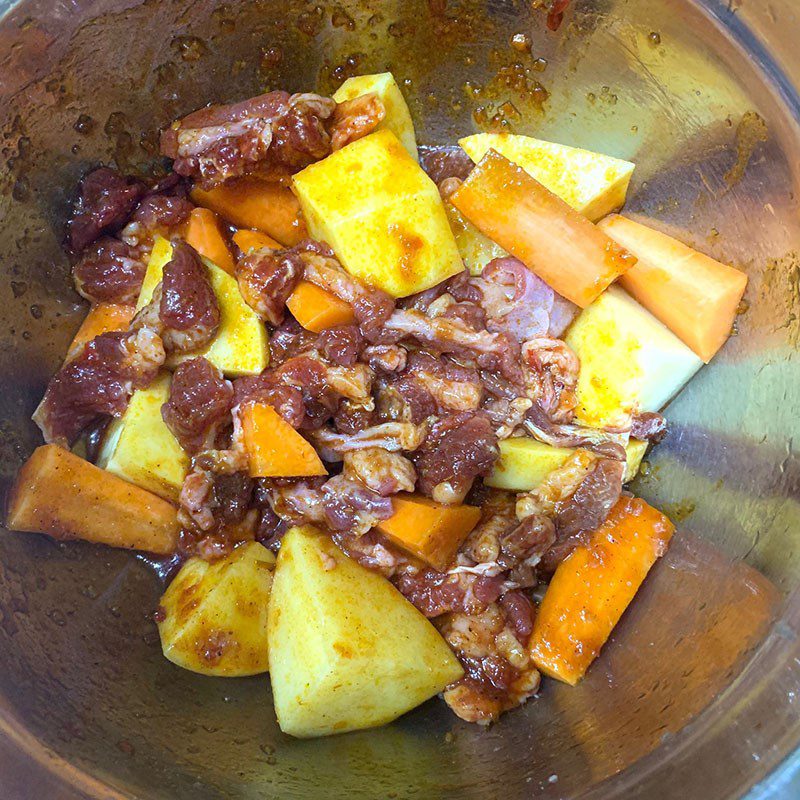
<point>347,650</point>
<point>60,494</point>
<point>382,215</point>
<point>524,462</point>
<point>592,183</point>
<point>215,613</point>
<point>397,119</point>
<point>629,361</point>
<point>139,447</point>
<point>241,346</point>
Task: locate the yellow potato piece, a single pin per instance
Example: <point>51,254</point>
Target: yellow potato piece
<point>215,613</point>
<point>381,214</point>
<point>524,462</point>
<point>241,346</point>
<point>629,361</point>
<point>476,249</point>
<point>347,650</point>
<point>397,119</point>
<point>592,183</point>
<point>139,447</point>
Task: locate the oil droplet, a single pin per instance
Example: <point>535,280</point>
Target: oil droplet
<point>189,48</point>
<point>36,312</point>
<point>84,124</point>
<point>521,42</point>
<point>20,191</point>
<point>654,38</point>
<point>341,19</point>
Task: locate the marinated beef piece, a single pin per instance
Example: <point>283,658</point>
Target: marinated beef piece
<point>184,309</point>
<point>266,280</point>
<point>435,593</point>
<point>451,386</point>
<point>499,674</point>
<point>371,550</point>
<point>105,201</point>
<point>200,400</point>
<point>271,135</point>
<point>156,215</point>
<point>380,470</point>
<point>286,400</point>
<point>353,416</point>
<point>551,377</point>
<point>98,383</point>
<point>458,449</point>
<point>108,272</point>
<point>340,345</point>
<point>444,161</point>
<point>390,436</point>
<point>495,352</point>
<point>519,303</point>
<point>371,306</point>
<point>271,527</point>
<point>290,339</point>
<point>351,506</point>
<point>355,118</point>
<point>649,426</point>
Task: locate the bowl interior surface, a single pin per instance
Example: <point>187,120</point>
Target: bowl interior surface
<point>694,697</point>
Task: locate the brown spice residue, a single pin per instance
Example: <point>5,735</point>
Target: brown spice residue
<point>751,130</point>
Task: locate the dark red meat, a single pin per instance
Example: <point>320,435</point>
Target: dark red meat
<point>340,345</point>
<point>445,161</point>
<point>109,272</point>
<point>266,280</point>
<point>200,399</point>
<point>105,201</point>
<point>649,425</point>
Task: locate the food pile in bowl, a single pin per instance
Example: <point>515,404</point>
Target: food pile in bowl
<point>374,404</point>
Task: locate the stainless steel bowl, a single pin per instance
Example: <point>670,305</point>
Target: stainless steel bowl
<point>697,694</point>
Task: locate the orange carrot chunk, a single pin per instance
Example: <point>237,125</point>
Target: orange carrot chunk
<point>695,296</point>
<point>203,233</point>
<point>431,531</point>
<point>247,240</point>
<point>58,493</point>
<point>560,245</point>
<point>317,309</point>
<point>102,318</point>
<point>274,448</point>
<point>593,586</point>
<point>254,203</point>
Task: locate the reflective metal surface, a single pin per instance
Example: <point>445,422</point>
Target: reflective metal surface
<point>697,694</point>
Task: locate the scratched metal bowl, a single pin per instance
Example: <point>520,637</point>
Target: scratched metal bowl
<point>696,696</point>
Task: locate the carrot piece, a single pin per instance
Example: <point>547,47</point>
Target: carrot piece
<point>203,233</point>
<point>431,531</point>
<point>521,215</point>
<point>247,240</point>
<point>254,203</point>
<point>691,293</point>
<point>317,309</point>
<point>593,586</point>
<point>60,494</point>
<point>102,318</point>
<point>274,448</point>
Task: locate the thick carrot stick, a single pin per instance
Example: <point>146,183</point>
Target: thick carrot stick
<point>102,318</point>
<point>203,233</point>
<point>593,586</point>
<point>431,531</point>
<point>60,494</point>
<point>691,293</point>
<point>247,240</point>
<point>560,245</point>
<point>253,203</point>
<point>316,310</point>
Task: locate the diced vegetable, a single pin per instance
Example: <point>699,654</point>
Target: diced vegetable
<point>346,649</point>
<point>431,531</point>
<point>247,240</point>
<point>629,361</point>
<point>102,318</point>
<point>397,119</point>
<point>592,183</point>
<point>382,215</point>
<point>203,233</point>
<point>476,249</point>
<point>692,294</point>
<point>524,462</point>
<point>562,247</point>
<point>316,309</point>
<point>60,494</point>
<point>139,447</point>
<point>593,586</point>
<point>241,346</point>
<point>254,203</point>
<point>274,448</point>
<point>214,614</point>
